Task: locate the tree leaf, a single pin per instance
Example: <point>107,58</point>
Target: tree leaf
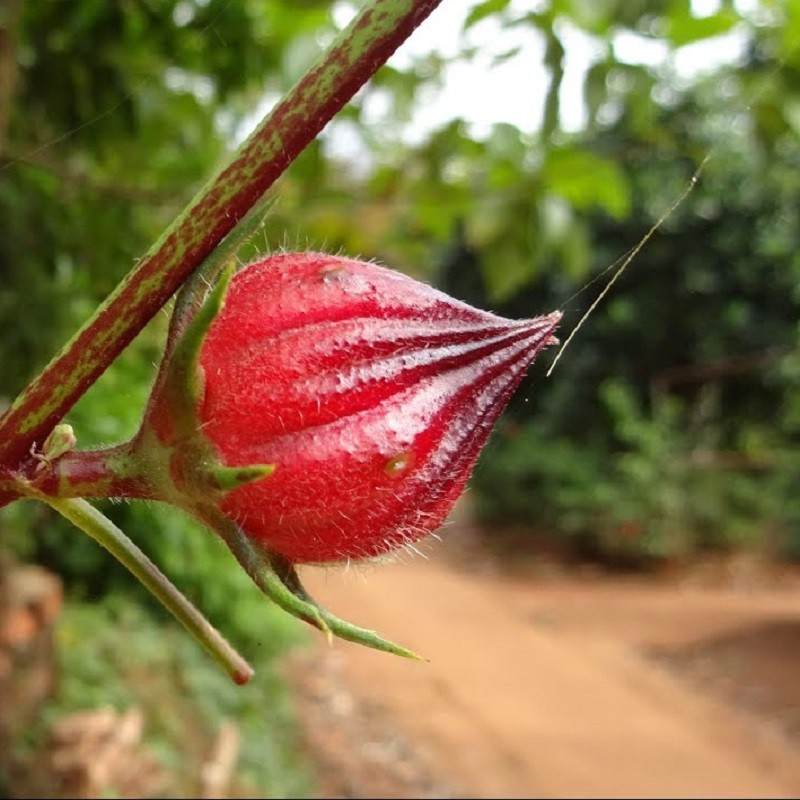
<point>683,28</point>
<point>587,180</point>
<point>483,10</point>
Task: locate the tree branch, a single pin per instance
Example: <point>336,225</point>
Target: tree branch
<point>75,181</point>
<point>712,370</point>
<point>9,21</point>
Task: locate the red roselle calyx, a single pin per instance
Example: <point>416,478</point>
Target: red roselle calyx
<point>370,393</point>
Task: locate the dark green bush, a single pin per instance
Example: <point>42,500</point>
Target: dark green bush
<point>666,492</point>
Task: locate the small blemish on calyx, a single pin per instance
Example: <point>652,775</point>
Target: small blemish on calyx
<point>398,464</point>
<point>330,274</point>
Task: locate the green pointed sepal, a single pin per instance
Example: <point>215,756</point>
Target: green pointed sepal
<point>183,380</point>
<point>278,579</point>
<point>225,479</point>
<point>224,256</point>
<point>189,472</point>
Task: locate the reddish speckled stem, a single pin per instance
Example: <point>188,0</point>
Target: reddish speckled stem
<point>352,59</point>
<point>112,472</point>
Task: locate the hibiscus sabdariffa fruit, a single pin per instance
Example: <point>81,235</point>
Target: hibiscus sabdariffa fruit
<point>318,409</point>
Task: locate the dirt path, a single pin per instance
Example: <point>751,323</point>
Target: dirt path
<point>559,688</point>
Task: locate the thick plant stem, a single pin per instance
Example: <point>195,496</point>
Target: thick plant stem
<point>102,530</point>
<point>351,60</point>
<point>110,472</point>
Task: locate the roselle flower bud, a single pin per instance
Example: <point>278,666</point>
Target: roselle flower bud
<point>370,392</point>
<point>317,409</point>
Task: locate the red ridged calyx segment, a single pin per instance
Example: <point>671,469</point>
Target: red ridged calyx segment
<point>370,392</point>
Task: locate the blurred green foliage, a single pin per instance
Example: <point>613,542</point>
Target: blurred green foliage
<point>119,112</point>
<point>672,422</point>
<point>670,426</point>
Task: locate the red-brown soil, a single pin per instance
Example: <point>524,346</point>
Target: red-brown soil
<point>542,682</point>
